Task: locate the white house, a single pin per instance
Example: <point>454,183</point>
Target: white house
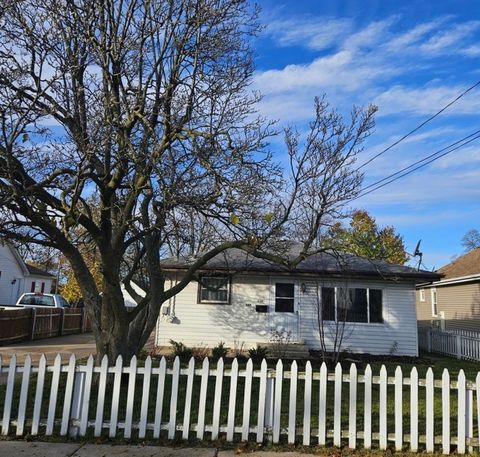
<point>17,277</point>
<point>240,300</point>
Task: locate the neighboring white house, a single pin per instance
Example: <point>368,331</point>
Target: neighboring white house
<point>17,277</point>
<point>240,300</point>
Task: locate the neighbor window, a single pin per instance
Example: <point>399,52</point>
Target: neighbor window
<point>214,289</point>
<point>434,302</point>
<point>422,294</point>
<point>284,297</point>
<point>352,305</point>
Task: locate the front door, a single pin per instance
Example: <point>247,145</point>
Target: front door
<point>284,308</point>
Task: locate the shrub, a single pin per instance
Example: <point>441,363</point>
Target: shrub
<point>258,354</point>
<point>180,350</point>
<point>219,351</point>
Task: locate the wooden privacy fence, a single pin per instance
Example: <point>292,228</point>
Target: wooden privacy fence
<point>463,345</point>
<point>37,323</point>
<point>312,407</point>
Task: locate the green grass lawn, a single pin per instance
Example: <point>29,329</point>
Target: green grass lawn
<point>438,363</point>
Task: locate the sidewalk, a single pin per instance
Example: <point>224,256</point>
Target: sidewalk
<point>38,449</point>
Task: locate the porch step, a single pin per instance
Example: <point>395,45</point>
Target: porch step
<point>287,351</point>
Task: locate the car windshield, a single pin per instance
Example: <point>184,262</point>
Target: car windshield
<point>37,300</point>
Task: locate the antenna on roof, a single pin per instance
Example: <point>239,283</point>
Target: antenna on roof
<point>417,253</point>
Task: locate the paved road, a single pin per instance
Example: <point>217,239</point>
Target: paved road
<point>37,449</point>
<point>81,345</point>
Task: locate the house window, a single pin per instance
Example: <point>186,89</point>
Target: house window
<point>214,289</point>
<point>42,290</point>
<point>352,305</point>
<point>32,289</point>
<point>422,294</point>
<point>284,297</point>
<point>434,302</point>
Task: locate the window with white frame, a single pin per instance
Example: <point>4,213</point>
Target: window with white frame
<point>434,302</point>
<point>352,304</point>
<point>284,297</point>
<point>214,289</point>
<point>422,294</point>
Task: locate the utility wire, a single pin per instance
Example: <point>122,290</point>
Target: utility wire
<point>423,160</point>
<point>433,157</point>
<point>466,91</point>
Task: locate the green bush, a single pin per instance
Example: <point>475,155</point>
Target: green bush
<point>258,354</point>
<point>180,350</point>
<point>219,351</point>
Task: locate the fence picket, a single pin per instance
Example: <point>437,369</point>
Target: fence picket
<point>147,373</point>
<point>429,412</point>
<point>162,370</point>
<point>132,377</point>
<point>67,402</point>
<point>292,407</point>
<point>246,400</point>
<point>188,399</point>
<point>7,405</point>
<point>232,400</point>
<point>383,408</point>
<point>86,396</point>
<point>414,410</point>
<point>367,414</point>
<point>278,402</point>
<point>117,380</point>
<point>461,413</point>
<point>477,389</point>
<point>57,366</point>
<point>337,409</point>
<point>102,384</point>
<point>398,409</point>
<point>37,406</point>
<point>446,412</point>
<point>352,414</point>
<point>307,404</point>
<point>262,401</point>
<point>322,410</point>
<point>217,400</point>
<point>172,423</point>
<point>27,367</point>
<point>203,399</point>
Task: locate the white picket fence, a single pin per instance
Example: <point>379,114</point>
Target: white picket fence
<point>311,406</point>
<point>460,344</point>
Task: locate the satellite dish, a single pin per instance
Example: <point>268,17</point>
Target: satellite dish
<point>418,254</point>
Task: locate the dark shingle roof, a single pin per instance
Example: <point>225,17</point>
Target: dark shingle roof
<point>322,264</point>
<point>466,265</point>
<point>37,271</point>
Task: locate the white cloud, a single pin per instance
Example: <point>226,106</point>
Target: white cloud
<point>314,32</point>
<point>451,38</point>
<point>426,100</point>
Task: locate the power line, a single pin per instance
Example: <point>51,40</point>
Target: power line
<point>419,126</point>
<point>433,157</point>
<point>423,160</point>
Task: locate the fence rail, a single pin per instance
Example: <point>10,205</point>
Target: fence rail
<point>242,402</point>
<point>37,323</point>
<point>460,344</point>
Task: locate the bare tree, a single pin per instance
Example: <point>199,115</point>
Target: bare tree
<point>144,108</point>
<point>471,240</point>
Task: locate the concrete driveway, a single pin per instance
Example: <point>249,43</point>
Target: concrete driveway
<point>81,345</point>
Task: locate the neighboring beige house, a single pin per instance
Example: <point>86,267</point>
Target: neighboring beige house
<point>241,300</point>
<point>454,301</point>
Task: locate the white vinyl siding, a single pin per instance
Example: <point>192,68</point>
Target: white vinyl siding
<point>197,324</point>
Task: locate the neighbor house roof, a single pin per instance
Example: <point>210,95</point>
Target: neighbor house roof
<point>466,265</point>
<point>34,271</point>
<point>322,264</point>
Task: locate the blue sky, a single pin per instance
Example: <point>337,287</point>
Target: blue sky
<point>410,60</point>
